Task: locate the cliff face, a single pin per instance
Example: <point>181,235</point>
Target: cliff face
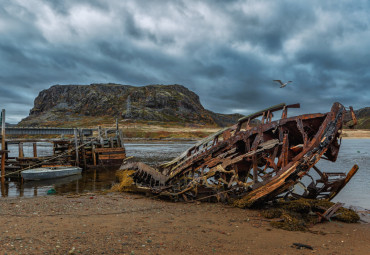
<point>165,103</point>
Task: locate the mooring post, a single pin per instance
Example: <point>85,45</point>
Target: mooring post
<point>3,148</point>
<point>121,138</point>
<point>20,150</point>
<point>94,154</point>
<point>35,150</point>
<point>76,147</point>
<point>83,152</point>
<point>101,140</point>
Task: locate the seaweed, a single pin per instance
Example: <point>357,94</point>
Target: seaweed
<point>290,222</point>
<point>126,182</point>
<point>272,213</point>
<point>300,214</point>
<point>346,215</point>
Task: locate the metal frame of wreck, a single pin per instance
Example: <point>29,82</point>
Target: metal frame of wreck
<point>251,164</point>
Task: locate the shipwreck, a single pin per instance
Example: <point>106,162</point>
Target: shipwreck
<point>256,160</point>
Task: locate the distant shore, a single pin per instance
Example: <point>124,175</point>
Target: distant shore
<point>356,134</point>
<point>184,135</point>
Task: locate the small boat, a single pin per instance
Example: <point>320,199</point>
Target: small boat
<point>44,173</point>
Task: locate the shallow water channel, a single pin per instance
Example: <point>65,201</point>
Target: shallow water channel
<point>353,151</point>
<point>91,179</point>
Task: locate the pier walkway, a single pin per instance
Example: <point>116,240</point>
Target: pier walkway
<point>46,131</point>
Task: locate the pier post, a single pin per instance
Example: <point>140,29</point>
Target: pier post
<point>121,138</point>
<point>76,147</point>
<point>101,140</point>
<point>117,126</point>
<point>35,150</point>
<point>3,148</point>
<point>94,154</point>
<point>20,150</point>
<point>83,151</point>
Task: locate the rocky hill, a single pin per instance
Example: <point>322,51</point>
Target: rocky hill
<point>66,105</point>
<point>363,117</point>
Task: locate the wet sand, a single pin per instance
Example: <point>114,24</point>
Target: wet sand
<point>121,223</point>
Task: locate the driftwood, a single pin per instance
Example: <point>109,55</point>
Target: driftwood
<point>330,212</point>
<point>301,245</point>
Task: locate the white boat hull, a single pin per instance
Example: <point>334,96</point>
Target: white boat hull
<point>44,173</point>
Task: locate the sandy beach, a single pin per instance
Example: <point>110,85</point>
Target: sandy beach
<point>356,133</point>
<point>121,223</point>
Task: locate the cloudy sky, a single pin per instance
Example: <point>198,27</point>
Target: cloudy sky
<point>228,52</point>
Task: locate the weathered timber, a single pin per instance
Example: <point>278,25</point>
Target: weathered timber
<point>80,150</point>
<point>3,148</point>
<point>254,164</point>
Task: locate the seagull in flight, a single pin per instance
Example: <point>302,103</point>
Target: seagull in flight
<point>282,84</point>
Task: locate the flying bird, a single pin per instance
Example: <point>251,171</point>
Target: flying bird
<point>282,84</point>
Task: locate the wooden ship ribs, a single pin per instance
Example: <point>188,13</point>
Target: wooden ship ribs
<point>249,164</point>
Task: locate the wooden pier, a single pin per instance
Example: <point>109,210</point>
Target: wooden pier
<point>85,147</point>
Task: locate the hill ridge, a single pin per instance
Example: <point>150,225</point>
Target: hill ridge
<point>68,104</point>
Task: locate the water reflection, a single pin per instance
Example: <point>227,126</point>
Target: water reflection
<point>90,180</point>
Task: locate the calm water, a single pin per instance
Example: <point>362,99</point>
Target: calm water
<point>357,191</point>
<point>90,180</point>
<point>353,151</point>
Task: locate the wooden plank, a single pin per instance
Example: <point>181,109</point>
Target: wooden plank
<point>100,150</point>
<point>112,153</point>
<point>329,213</point>
<point>349,176</point>
<point>115,156</point>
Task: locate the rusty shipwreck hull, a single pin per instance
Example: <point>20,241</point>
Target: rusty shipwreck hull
<point>252,163</point>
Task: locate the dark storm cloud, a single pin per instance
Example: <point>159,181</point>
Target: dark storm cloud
<point>228,52</point>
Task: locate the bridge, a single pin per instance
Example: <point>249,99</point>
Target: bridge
<point>46,131</point>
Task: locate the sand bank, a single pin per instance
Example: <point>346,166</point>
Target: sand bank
<point>132,224</point>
